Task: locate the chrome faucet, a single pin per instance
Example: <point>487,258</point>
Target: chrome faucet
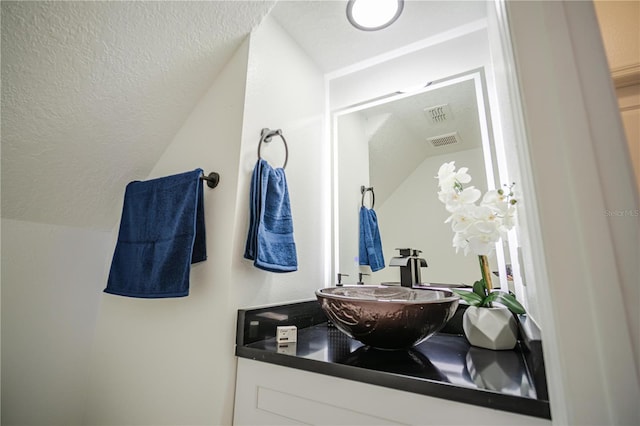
<point>410,265</point>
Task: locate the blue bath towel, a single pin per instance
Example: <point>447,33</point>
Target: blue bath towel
<point>270,242</point>
<point>370,246</point>
<point>161,234</point>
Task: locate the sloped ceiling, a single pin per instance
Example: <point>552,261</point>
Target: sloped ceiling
<point>399,143</point>
<point>93,92</point>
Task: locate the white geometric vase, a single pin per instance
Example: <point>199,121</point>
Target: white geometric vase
<point>490,328</point>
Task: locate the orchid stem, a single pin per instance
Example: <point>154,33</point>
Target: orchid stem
<point>486,272</point>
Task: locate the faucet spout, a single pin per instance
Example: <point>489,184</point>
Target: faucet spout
<point>410,266</point>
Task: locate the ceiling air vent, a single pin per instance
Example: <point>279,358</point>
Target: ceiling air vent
<point>443,140</point>
<point>439,113</point>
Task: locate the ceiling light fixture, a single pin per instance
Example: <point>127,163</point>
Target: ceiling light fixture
<point>373,15</point>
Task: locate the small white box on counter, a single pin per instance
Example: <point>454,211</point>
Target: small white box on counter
<point>286,334</point>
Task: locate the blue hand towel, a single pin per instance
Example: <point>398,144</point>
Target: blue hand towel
<point>270,242</point>
<point>161,234</point>
<point>370,246</point>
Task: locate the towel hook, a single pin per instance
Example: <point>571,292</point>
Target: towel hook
<point>212,179</point>
<point>266,135</point>
<point>364,189</point>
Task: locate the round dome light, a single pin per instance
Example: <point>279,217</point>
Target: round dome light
<point>372,15</point>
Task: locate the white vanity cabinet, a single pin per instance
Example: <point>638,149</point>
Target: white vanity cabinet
<point>269,394</point>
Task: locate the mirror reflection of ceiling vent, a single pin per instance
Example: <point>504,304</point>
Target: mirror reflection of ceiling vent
<point>439,113</point>
<point>443,140</point>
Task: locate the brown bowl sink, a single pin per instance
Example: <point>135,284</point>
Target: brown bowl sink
<point>388,317</point>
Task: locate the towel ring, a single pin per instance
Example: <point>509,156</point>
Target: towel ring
<point>266,135</point>
<point>364,189</point>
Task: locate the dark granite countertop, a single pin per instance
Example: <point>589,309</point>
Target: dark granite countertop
<point>444,366</point>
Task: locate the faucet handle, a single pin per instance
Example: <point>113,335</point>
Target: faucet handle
<point>360,274</point>
<point>404,252</point>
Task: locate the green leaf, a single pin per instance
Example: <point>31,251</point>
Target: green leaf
<point>510,302</point>
<point>480,289</point>
<point>469,297</point>
<point>490,298</point>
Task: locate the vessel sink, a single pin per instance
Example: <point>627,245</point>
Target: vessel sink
<point>389,318</point>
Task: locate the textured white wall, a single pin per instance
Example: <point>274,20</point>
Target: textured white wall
<point>172,361</point>
<point>285,90</point>
<point>169,361</point>
<point>51,279</point>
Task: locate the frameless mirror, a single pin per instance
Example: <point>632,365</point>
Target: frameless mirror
<point>395,145</point>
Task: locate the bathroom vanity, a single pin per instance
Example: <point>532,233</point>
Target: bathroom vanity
<point>329,378</point>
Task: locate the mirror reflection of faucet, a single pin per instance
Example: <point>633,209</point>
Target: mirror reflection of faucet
<point>410,266</point>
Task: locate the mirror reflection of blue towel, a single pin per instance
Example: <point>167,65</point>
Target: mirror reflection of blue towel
<point>370,247</point>
<point>161,234</point>
<point>270,242</point>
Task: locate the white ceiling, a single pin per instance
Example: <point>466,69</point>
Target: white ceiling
<point>93,92</point>
<point>321,28</point>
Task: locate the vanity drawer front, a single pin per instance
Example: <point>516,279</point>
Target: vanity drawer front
<point>269,394</point>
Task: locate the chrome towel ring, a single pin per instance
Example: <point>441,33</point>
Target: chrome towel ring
<point>266,135</point>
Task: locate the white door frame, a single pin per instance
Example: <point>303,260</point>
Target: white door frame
<point>584,208</point>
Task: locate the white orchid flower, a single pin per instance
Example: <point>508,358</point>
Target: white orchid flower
<point>481,245</point>
<point>508,221</point>
<point>461,219</point>
<point>459,242</point>
<point>446,176</point>
<point>455,200</point>
<point>477,228</point>
<point>449,179</point>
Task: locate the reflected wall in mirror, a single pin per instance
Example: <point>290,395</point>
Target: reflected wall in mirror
<point>396,145</point>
